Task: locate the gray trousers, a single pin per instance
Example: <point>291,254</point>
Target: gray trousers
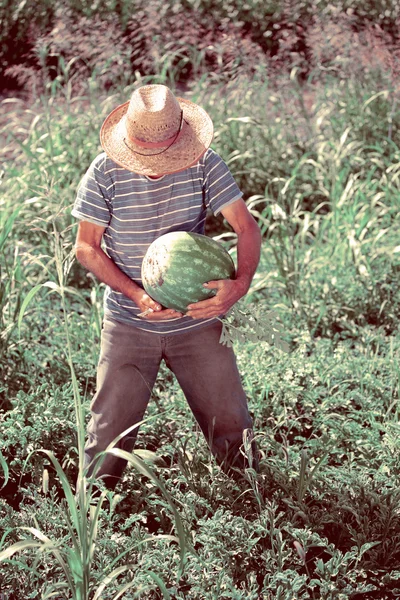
<point>206,371</point>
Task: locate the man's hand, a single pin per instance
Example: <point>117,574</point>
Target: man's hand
<point>229,292</point>
<point>144,302</point>
<point>248,250</point>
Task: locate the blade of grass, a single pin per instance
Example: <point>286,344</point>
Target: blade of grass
<point>138,464</point>
<point>4,466</point>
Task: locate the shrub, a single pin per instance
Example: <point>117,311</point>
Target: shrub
<point>183,38</point>
<point>20,23</point>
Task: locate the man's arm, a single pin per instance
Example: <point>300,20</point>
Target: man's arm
<point>89,253</point>
<point>248,256</point>
<point>249,242</point>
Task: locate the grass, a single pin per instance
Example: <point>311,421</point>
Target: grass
<point>321,520</point>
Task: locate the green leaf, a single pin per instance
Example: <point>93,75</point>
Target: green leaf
<point>4,466</point>
<point>17,547</point>
<point>115,573</point>
<point>76,566</point>
<point>119,571</point>
<point>6,225</point>
<point>31,294</point>
<point>160,584</point>
<point>225,338</point>
<point>94,525</point>
<point>48,545</point>
<point>383,93</point>
<point>151,457</point>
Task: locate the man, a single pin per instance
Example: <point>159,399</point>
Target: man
<point>158,174</point>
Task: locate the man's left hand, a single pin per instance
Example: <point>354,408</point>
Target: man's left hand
<point>229,292</point>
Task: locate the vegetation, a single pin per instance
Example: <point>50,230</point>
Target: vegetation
<point>315,149</point>
<point>116,39</point>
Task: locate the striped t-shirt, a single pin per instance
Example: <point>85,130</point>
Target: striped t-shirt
<point>135,210</point>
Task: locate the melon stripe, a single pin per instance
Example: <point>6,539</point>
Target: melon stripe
<point>208,251</point>
<point>187,255</point>
<point>205,258</point>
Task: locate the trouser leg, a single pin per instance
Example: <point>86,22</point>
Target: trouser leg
<point>208,374</point>
<point>127,369</point>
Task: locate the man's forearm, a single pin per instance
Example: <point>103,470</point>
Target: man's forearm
<point>97,262</point>
<point>248,255</point>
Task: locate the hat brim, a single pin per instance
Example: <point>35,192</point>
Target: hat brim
<point>195,139</point>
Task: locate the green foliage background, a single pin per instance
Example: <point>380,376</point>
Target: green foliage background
<point>305,101</point>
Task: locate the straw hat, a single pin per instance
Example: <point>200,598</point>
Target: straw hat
<point>156,133</point>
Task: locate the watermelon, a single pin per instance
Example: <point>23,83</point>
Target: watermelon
<point>178,263</point>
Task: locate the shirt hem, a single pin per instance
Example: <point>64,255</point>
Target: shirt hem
<point>138,325</point>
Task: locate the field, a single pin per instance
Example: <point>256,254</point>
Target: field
<point>316,152</point>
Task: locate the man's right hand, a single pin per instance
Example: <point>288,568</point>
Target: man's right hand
<point>144,302</point>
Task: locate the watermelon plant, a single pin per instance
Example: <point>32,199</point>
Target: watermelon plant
<point>177,264</point>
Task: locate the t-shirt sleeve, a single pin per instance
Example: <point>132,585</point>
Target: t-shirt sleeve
<point>220,188</point>
<point>92,202</point>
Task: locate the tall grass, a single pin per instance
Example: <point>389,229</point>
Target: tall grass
<point>327,216</point>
